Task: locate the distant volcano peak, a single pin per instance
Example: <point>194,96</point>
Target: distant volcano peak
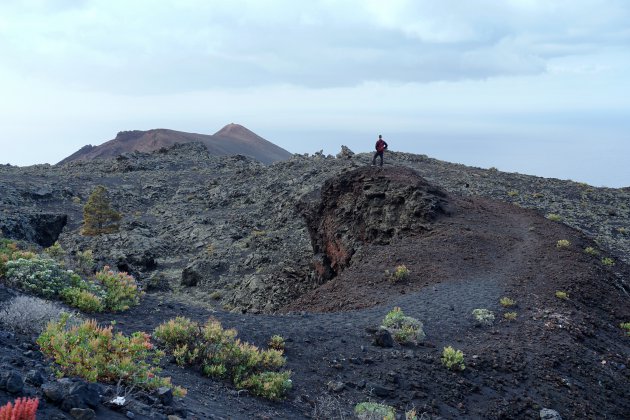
<point>232,139</point>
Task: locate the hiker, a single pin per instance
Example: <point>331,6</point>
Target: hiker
<point>381,145</point>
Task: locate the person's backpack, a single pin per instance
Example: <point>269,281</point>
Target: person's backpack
<point>380,146</point>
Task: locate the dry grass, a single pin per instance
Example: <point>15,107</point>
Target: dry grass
<point>28,315</point>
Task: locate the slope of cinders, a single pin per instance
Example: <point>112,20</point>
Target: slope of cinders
<point>367,205</point>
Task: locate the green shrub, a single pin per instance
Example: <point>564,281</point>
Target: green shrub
<point>506,302</point>
<point>82,299</point>
<point>276,342</point>
<point>626,327</point>
<point>563,243</point>
<point>510,316</point>
<point>97,354</point>
<point>177,332</point>
<point>374,411</point>
<point>608,262</point>
<point>98,216</point>
<point>121,289</point>
<point>591,251</point>
<point>85,261</point>
<point>42,277</point>
<point>453,359</point>
<point>400,273</point>
<point>404,329</point>
<point>483,316</point>
<point>55,251</point>
<point>562,295</point>
<point>9,251</point>
<point>220,354</point>
<point>512,193</point>
<point>554,217</point>
<point>270,385</point>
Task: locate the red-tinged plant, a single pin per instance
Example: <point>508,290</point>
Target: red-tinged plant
<point>23,409</point>
<point>121,289</point>
<point>96,353</point>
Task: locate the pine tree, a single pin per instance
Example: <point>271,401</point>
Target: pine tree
<point>98,216</point>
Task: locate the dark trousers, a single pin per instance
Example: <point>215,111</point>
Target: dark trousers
<point>377,154</point>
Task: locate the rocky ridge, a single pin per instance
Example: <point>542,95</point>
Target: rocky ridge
<point>232,227</point>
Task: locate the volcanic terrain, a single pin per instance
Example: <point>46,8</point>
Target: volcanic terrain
<point>305,248</point>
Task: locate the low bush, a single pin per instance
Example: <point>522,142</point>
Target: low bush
<point>85,261</point>
<point>276,342</point>
<point>562,295</point>
<point>512,193</point>
<point>506,302</point>
<point>554,217</point>
<point>82,299</point>
<point>626,327</point>
<point>20,409</point>
<point>55,251</point>
<point>510,316</point>
<point>220,354</point>
<point>453,359</point>
<point>40,276</point>
<point>374,411</point>
<point>483,317</point>
<point>9,251</point>
<point>404,329</point>
<point>400,273</point>
<point>121,289</point>
<point>98,354</point>
<point>591,251</point>
<point>608,262</point>
<point>28,315</point>
<point>563,243</point>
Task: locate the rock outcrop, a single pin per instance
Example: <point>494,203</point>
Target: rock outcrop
<point>367,205</point>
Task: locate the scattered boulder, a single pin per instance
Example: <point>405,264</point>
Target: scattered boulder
<point>12,382</point>
<point>345,153</point>
<point>383,338</point>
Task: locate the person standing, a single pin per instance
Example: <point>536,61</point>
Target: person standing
<point>381,145</point>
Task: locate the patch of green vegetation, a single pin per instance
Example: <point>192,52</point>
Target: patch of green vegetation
<point>510,316</point>
<point>626,327</point>
<point>453,359</point>
<point>400,273</point>
<point>97,354</point>
<point>374,411</point>
<point>562,295</point>
<point>98,216</point>
<point>483,316</point>
<point>404,329</point>
<point>554,217</point>
<point>608,262</point>
<point>220,354</point>
<point>591,251</point>
<point>563,243</point>
<point>506,302</point>
<point>512,193</point>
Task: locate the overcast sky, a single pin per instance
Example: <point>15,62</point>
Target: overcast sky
<point>539,87</point>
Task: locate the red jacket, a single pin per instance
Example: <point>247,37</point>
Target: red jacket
<point>381,145</point>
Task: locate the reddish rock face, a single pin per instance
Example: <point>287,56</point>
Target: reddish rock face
<point>367,206</point>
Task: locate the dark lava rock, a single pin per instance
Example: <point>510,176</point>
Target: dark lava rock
<point>12,382</point>
<point>35,378</point>
<point>367,205</point>
<point>383,338</point>
<point>548,414</point>
<point>82,413</point>
<point>41,228</point>
<point>165,394</point>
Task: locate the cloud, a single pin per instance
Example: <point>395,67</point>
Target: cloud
<point>145,47</point>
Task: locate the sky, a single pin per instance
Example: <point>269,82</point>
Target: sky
<point>537,87</point>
